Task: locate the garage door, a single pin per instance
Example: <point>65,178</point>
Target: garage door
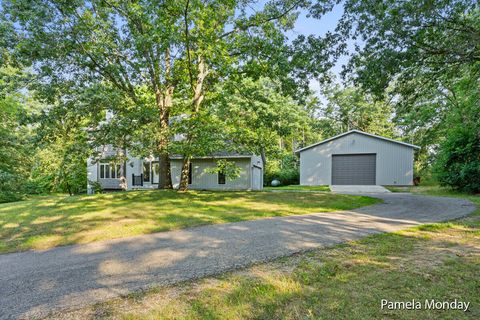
<point>353,169</point>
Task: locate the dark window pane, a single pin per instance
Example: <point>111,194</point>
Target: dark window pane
<point>119,171</point>
<point>146,171</point>
<point>190,169</point>
<point>221,178</point>
<point>107,171</point>
<point>102,171</point>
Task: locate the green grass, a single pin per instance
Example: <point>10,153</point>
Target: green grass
<point>48,221</point>
<point>299,188</point>
<point>438,261</point>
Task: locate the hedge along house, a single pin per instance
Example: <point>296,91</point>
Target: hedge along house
<point>357,158</point>
<point>143,173</point>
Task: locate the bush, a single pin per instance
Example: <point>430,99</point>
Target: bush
<point>96,186</point>
<point>458,160</point>
<point>10,187</point>
<point>285,176</point>
<point>284,170</point>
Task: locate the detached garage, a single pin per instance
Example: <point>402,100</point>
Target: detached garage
<point>357,158</point>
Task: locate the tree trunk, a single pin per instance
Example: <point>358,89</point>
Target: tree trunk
<point>264,158</point>
<point>198,96</point>
<point>184,176</point>
<point>164,173</point>
<point>165,177</point>
<point>164,103</point>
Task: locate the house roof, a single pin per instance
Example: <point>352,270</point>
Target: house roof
<point>221,154</point>
<point>360,132</point>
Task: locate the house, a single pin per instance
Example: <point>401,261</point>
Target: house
<point>143,173</point>
<point>357,158</point>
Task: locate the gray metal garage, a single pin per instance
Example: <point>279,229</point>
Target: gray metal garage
<point>357,158</point>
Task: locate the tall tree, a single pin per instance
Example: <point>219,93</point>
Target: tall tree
<point>351,108</point>
<point>259,116</point>
<point>152,53</point>
<point>415,53</point>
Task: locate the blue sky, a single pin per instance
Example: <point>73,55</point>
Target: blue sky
<point>319,27</point>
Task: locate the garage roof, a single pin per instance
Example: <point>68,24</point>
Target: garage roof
<point>360,132</point>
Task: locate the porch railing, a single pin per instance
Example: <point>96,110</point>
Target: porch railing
<point>137,180</point>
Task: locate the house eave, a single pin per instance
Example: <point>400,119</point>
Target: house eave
<point>359,132</point>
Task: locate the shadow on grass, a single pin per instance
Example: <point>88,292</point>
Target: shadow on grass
<point>346,281</point>
<point>33,283</point>
<point>51,221</point>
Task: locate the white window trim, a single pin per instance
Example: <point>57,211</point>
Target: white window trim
<point>112,168</point>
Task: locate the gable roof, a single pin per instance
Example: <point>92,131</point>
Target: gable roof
<point>360,132</point>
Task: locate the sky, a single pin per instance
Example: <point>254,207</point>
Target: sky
<point>319,27</point>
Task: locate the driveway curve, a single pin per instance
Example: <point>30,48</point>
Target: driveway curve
<point>34,283</point>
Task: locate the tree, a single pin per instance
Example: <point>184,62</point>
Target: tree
<point>457,162</point>
<point>15,136</point>
<point>258,115</point>
<point>414,53</point>
<point>407,41</point>
<point>350,108</point>
<point>62,148</point>
<point>152,53</point>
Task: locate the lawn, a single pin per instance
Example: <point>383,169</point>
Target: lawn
<point>438,261</point>
<point>49,221</point>
<point>299,188</point>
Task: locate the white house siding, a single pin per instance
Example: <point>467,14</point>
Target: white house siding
<point>394,164</point>
<point>205,180</point>
<point>257,173</point>
<point>250,168</point>
<point>93,169</point>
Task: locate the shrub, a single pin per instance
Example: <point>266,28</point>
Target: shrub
<point>285,176</point>
<point>10,187</point>
<point>96,186</point>
<point>284,169</point>
<point>458,160</point>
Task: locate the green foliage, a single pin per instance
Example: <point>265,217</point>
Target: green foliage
<point>287,176</point>
<point>96,186</point>
<point>458,163</point>
<point>422,56</point>
<point>10,187</point>
<point>285,170</point>
<point>229,168</point>
<point>153,59</point>
<point>258,116</point>
<point>15,146</point>
<point>350,108</point>
<point>409,44</point>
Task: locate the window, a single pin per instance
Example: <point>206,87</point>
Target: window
<point>108,171</point>
<point>190,169</point>
<point>146,171</point>
<point>155,172</point>
<point>221,178</point>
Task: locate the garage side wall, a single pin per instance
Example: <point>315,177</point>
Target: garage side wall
<point>394,161</point>
<point>205,180</point>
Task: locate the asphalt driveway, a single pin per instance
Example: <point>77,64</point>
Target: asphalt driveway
<point>37,282</point>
